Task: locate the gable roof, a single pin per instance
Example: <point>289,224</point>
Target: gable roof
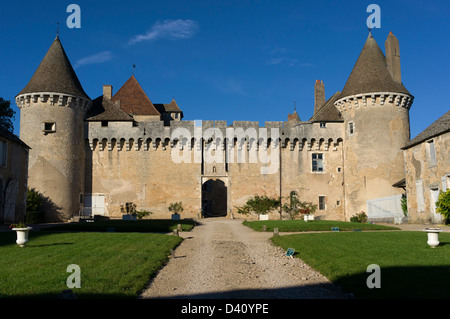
<point>55,74</point>
<point>170,107</point>
<point>328,112</point>
<point>133,99</point>
<point>440,126</point>
<point>370,73</point>
<point>103,109</point>
<point>12,137</point>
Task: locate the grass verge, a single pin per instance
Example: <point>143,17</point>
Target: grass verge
<point>409,268</point>
<point>112,265</point>
<point>298,225</point>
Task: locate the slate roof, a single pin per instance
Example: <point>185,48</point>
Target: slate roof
<point>103,109</point>
<point>12,137</point>
<point>133,99</point>
<point>171,107</point>
<point>328,112</point>
<point>370,73</point>
<point>440,126</point>
<point>55,74</point>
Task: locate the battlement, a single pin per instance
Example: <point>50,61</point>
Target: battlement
<point>373,99</point>
<point>53,99</point>
<point>190,134</point>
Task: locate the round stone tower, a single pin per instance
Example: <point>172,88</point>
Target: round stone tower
<point>52,110</point>
<point>375,107</point>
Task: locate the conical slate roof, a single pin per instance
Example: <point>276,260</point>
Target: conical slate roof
<point>55,74</point>
<point>133,99</point>
<point>370,73</point>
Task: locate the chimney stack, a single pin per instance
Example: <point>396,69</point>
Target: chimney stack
<point>107,91</point>
<point>393,57</point>
<point>319,95</point>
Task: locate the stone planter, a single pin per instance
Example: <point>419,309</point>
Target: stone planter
<point>129,217</point>
<point>263,216</point>
<point>433,236</point>
<point>22,235</point>
<point>175,216</point>
<point>307,217</point>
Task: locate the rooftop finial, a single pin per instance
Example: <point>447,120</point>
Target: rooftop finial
<point>57,29</point>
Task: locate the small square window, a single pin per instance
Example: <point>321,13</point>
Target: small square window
<point>104,123</point>
<point>49,127</point>
<point>323,125</point>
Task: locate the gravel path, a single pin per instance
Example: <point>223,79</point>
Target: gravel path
<point>223,259</point>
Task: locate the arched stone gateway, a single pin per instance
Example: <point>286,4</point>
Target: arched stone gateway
<point>214,198</point>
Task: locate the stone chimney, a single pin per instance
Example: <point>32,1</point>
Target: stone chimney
<point>107,91</point>
<point>393,57</point>
<point>319,95</point>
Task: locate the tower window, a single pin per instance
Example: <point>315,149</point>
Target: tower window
<point>317,162</point>
<point>323,125</point>
<point>104,123</point>
<point>351,128</point>
<point>49,127</point>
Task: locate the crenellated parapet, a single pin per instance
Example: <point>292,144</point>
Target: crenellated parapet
<point>374,99</point>
<point>53,99</point>
<point>193,135</point>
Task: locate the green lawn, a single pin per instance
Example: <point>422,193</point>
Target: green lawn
<point>112,265</point>
<point>409,267</point>
<point>143,225</point>
<point>313,225</point>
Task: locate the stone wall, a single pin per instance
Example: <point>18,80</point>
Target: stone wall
<point>426,177</point>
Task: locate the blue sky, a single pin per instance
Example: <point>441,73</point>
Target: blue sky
<point>229,60</point>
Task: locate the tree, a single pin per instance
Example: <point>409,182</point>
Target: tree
<point>259,205</point>
<point>443,204</point>
<point>6,115</point>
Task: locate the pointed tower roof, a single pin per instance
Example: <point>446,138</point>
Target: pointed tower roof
<point>133,99</point>
<point>370,73</point>
<point>55,74</point>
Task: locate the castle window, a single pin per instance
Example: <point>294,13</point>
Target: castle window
<point>317,162</point>
<point>3,153</point>
<point>351,128</point>
<point>49,127</point>
<point>323,125</point>
<point>104,123</point>
<point>322,201</point>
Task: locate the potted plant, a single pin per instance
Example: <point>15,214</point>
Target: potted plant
<point>176,209</point>
<point>22,233</point>
<point>128,211</point>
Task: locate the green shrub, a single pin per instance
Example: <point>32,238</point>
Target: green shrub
<point>443,204</point>
<point>35,217</point>
<point>359,218</point>
<point>34,200</point>
<point>143,213</point>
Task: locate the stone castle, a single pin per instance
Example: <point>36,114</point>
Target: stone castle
<point>92,156</point>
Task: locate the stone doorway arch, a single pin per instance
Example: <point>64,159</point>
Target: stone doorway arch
<point>214,198</point>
